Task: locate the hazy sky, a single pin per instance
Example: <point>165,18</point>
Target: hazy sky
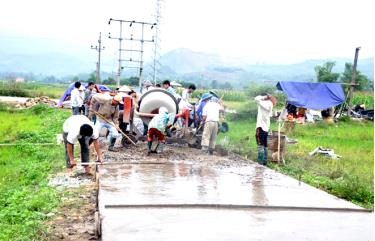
<point>270,31</point>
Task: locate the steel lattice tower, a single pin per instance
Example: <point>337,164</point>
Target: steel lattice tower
<point>157,41</point>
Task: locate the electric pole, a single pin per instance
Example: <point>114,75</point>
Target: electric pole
<point>353,83</point>
<point>141,40</point>
<point>119,52</point>
<point>98,48</point>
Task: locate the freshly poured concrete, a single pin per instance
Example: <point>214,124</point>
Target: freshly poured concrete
<point>124,187</point>
<point>172,183</point>
<point>234,225</point>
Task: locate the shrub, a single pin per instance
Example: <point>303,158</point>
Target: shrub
<point>255,90</point>
<point>226,95</point>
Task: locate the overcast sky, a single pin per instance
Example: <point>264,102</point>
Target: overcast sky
<point>268,31</point>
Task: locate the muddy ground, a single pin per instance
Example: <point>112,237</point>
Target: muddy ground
<point>76,218</point>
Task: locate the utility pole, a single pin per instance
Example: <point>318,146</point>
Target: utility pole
<point>118,76</point>
<point>141,40</point>
<point>98,48</point>
<point>353,83</point>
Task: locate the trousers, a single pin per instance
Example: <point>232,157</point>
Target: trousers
<point>84,142</point>
<point>210,134</point>
<point>261,138</point>
<point>113,133</point>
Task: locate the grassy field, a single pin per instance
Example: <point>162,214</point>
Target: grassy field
<point>25,198</point>
<point>351,177</point>
<point>52,90</point>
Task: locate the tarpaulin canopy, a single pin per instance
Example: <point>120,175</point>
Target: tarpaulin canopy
<point>316,96</point>
<point>71,87</point>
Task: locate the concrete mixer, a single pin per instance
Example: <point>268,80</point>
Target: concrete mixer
<point>152,100</point>
<point>147,108</point>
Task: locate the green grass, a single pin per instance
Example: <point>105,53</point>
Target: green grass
<point>25,198</point>
<point>226,95</point>
<point>32,89</point>
<point>234,105</point>
<point>364,97</point>
<point>351,177</point>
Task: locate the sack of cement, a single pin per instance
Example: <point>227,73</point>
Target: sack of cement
<point>326,152</point>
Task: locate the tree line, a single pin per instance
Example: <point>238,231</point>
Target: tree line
<point>324,73</point>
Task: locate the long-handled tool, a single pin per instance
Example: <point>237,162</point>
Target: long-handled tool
<point>112,124</point>
<point>278,145</point>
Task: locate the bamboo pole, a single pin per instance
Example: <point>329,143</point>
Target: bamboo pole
<point>112,124</point>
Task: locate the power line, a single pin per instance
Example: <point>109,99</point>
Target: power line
<point>142,40</point>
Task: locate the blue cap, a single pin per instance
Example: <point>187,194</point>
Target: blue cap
<point>206,96</point>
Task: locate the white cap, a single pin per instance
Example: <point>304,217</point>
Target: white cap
<point>124,89</point>
<point>147,83</point>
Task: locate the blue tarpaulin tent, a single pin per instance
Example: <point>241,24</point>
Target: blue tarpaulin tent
<point>70,88</point>
<point>316,96</point>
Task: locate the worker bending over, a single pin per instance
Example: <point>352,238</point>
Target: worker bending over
<point>79,127</point>
<point>265,105</point>
<point>157,129</point>
<point>107,115</point>
<point>210,118</point>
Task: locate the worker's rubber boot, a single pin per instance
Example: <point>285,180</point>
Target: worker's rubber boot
<point>149,146</point>
<point>112,145</point>
<point>261,155</point>
<point>160,148</point>
<point>265,157</point>
<point>205,150</point>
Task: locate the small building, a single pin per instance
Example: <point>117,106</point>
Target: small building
<point>20,80</point>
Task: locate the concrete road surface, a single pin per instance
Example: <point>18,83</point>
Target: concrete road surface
<point>183,195</point>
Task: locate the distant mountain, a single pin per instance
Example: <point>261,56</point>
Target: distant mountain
<point>46,64</point>
<point>183,61</point>
<point>179,64</point>
<point>201,68</point>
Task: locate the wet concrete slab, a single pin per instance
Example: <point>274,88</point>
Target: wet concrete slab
<point>179,183</point>
<point>184,200</point>
<point>239,225</point>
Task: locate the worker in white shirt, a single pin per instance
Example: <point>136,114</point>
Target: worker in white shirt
<point>186,93</point>
<point>79,127</point>
<point>265,104</point>
<point>210,117</point>
<point>76,98</point>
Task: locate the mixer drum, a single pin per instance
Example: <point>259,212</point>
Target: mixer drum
<point>152,100</point>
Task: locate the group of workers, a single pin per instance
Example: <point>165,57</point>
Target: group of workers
<point>93,110</point>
